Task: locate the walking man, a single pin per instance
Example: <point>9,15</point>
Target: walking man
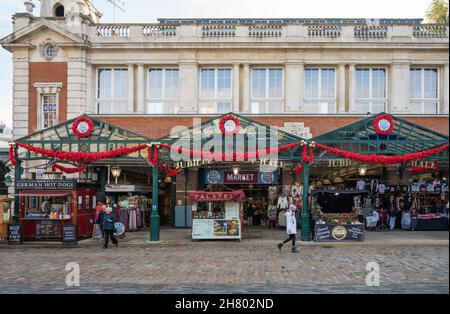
<point>108,226</point>
<point>291,228</point>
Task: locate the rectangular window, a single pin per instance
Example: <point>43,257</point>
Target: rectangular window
<point>424,90</point>
<point>215,90</point>
<point>371,90</point>
<point>320,90</point>
<point>163,91</point>
<point>267,90</point>
<point>49,113</point>
<point>112,91</point>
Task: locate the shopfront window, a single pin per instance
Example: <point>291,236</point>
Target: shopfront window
<point>47,207</point>
<point>215,90</point>
<point>320,90</point>
<point>112,91</point>
<point>49,111</point>
<point>163,91</point>
<point>267,91</point>
<point>371,90</point>
<point>424,90</point>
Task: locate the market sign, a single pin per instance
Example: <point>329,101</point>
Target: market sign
<point>244,177</point>
<point>46,185</point>
<point>215,177</point>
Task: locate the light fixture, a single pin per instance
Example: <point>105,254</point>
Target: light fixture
<point>338,180</point>
<point>116,171</point>
<point>168,179</point>
<point>362,171</point>
<point>326,182</point>
<point>236,170</point>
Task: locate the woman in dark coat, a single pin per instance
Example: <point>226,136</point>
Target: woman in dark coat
<point>108,226</point>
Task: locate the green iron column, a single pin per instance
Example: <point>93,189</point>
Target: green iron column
<point>306,228</point>
<point>17,177</point>
<point>155,220</point>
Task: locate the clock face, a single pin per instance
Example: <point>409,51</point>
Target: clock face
<point>230,126</point>
<point>384,125</point>
<point>83,127</point>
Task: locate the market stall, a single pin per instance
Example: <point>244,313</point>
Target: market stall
<point>337,218</point>
<point>5,216</point>
<point>217,215</point>
<point>48,205</point>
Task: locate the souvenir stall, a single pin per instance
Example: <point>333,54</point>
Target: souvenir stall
<point>336,218</point>
<point>133,212</point>
<point>5,216</point>
<point>47,205</point>
<point>217,215</point>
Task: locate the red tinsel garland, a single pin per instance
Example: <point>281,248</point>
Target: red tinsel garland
<point>153,155</point>
<point>67,170</point>
<point>382,159</point>
<point>299,168</point>
<point>82,157</point>
<point>169,171</point>
<point>11,156</point>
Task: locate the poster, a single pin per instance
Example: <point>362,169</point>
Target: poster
<point>202,229</point>
<point>232,210</point>
<point>210,229</point>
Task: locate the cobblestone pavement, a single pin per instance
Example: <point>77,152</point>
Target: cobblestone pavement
<point>226,267</point>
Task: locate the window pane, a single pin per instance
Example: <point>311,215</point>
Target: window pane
<point>259,83</point>
<point>312,83</point>
<point>431,83</point>
<point>49,111</point>
<point>378,83</point>
<point>171,86</point>
<point>415,84</point>
<point>120,84</point>
<point>223,107</point>
<point>224,83</point>
<point>104,108</point>
<point>275,83</point>
<point>104,83</point>
<point>155,82</point>
<point>328,78</point>
<point>207,83</point>
<point>362,83</point>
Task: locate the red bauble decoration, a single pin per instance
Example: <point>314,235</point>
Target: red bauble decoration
<point>384,124</point>
<point>67,170</point>
<point>83,127</point>
<point>229,125</point>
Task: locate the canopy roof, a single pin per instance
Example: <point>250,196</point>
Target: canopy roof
<point>406,138</point>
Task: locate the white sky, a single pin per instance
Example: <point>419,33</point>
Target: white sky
<point>149,10</point>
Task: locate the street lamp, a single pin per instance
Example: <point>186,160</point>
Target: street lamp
<point>116,171</point>
<point>236,170</point>
<point>362,171</point>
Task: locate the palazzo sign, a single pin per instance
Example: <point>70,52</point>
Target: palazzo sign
<point>46,185</point>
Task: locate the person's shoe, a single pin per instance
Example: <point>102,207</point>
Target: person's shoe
<point>280,246</point>
<point>294,250</point>
<point>116,245</point>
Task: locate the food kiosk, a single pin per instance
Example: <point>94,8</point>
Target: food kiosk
<point>217,215</point>
<point>337,218</point>
<point>5,216</point>
<point>47,205</point>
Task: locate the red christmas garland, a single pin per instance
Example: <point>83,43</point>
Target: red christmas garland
<point>11,156</point>
<point>82,157</point>
<point>376,124</point>
<point>168,170</point>
<point>67,170</point>
<point>77,123</point>
<point>224,120</point>
<point>382,159</point>
<point>153,155</point>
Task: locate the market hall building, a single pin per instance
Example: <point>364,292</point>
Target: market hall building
<point>324,81</point>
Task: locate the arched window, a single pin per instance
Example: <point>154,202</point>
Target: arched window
<point>59,10</point>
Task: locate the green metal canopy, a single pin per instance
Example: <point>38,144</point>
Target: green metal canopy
<point>263,135</point>
<point>406,138</point>
<point>105,137</point>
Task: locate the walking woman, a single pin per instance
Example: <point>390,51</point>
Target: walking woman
<point>108,226</point>
<point>291,228</point>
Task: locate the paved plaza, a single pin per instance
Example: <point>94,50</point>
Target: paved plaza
<point>251,266</point>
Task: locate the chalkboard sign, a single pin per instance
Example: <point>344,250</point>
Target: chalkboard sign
<point>339,233</point>
<point>69,235</point>
<point>14,234</point>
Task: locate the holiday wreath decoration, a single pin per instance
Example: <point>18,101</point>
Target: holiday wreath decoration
<point>229,125</point>
<point>83,127</point>
<point>384,124</point>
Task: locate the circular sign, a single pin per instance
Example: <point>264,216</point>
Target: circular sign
<point>339,233</point>
<point>267,177</point>
<point>229,125</point>
<point>119,229</point>
<point>83,127</point>
<point>384,124</point>
<point>214,177</point>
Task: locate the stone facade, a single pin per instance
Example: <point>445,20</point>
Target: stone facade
<point>70,49</point>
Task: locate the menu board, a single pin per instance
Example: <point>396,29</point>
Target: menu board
<point>14,234</point>
<point>202,229</point>
<point>339,233</point>
<point>69,235</point>
<point>46,228</point>
<point>232,210</point>
<point>210,229</point>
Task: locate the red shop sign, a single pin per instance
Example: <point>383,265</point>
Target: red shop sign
<point>202,196</point>
<point>244,177</point>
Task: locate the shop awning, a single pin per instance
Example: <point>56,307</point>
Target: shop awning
<point>205,197</point>
<point>44,193</point>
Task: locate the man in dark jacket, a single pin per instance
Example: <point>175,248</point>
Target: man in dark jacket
<point>108,226</point>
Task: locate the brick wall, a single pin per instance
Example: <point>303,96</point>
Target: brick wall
<point>47,72</point>
<point>156,127</point>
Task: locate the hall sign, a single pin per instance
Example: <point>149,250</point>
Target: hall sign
<point>243,177</point>
<point>431,165</point>
<point>46,185</point>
